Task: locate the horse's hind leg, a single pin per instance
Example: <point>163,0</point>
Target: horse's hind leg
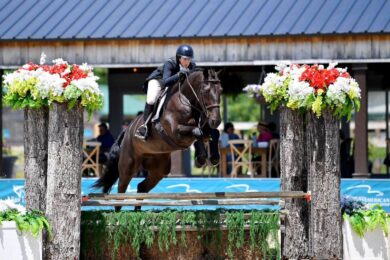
<point>127,168</point>
<point>158,166</point>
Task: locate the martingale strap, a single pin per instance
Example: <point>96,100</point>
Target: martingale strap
<point>167,138</point>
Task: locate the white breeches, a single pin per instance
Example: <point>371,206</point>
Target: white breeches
<point>154,90</point>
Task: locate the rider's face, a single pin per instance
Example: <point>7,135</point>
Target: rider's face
<point>185,61</point>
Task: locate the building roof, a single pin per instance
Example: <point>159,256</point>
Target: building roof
<point>126,19</point>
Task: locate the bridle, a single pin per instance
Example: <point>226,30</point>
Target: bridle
<point>204,110</point>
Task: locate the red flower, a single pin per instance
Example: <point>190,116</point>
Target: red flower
<point>74,73</point>
<point>321,78</point>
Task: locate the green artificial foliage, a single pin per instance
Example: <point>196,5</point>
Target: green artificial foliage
<point>107,229</point>
<point>33,221</point>
<point>235,223</point>
<point>363,220</point>
<point>264,227</point>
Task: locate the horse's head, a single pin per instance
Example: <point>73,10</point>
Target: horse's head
<point>210,97</point>
<point>203,90</point>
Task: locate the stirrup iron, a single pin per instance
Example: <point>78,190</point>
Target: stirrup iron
<point>139,135</point>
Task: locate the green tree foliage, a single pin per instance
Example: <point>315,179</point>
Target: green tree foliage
<point>243,108</point>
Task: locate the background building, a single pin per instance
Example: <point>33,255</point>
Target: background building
<point>131,38</point>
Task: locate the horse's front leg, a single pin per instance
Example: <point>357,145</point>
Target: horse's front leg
<point>190,130</point>
<point>200,149</point>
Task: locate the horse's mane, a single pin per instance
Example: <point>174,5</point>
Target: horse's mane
<point>198,69</point>
<point>193,73</point>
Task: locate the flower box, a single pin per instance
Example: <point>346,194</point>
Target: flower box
<point>17,245</point>
<point>373,245</point>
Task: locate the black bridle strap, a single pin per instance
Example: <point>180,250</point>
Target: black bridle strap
<point>212,106</point>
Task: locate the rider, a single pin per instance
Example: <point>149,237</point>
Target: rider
<point>162,77</point>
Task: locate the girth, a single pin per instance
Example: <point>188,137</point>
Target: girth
<point>161,131</point>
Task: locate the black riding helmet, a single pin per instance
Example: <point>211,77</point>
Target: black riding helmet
<point>184,50</point>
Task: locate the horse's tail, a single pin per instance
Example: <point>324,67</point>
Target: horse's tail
<point>111,172</point>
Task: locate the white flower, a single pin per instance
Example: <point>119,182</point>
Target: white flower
<point>88,83</point>
<point>9,204</point>
<point>341,88</point>
<point>26,66</point>
<point>43,58</point>
<point>86,67</point>
<point>296,72</point>
<point>60,61</point>
<point>299,91</point>
<point>67,71</point>
<point>252,88</point>
<point>332,65</point>
<point>282,65</point>
<point>50,83</point>
<point>341,70</point>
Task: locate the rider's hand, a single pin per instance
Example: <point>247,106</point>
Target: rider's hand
<point>183,71</point>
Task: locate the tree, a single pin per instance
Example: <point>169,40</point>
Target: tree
<point>322,144</point>
<point>35,156</point>
<point>294,178</point>
<point>64,180</point>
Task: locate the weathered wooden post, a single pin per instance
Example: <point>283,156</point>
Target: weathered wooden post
<point>64,180</point>
<point>293,176</point>
<point>325,95</point>
<point>323,158</point>
<point>35,157</point>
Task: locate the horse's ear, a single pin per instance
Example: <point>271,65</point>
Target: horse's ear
<point>220,72</point>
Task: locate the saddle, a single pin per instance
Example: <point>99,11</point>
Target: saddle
<point>160,105</point>
<point>159,108</point>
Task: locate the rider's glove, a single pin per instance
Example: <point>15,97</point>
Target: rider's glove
<point>183,70</point>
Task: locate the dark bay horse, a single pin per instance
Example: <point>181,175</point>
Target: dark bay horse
<point>193,105</point>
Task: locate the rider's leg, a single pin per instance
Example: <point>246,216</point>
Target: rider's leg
<point>154,89</point>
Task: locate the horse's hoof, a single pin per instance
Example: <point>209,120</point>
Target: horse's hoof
<point>214,160</point>
<point>199,162</point>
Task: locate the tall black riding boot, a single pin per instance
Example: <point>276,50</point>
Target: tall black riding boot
<point>142,131</point>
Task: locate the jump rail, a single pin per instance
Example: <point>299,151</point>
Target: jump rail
<point>192,199</point>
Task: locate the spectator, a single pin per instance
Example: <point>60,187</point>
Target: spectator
<point>105,138</point>
<point>265,134</point>
<point>228,134</point>
<point>272,127</point>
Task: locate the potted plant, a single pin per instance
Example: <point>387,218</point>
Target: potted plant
<point>365,230</point>
<point>21,232</point>
<point>8,161</point>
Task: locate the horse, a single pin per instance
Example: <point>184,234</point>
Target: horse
<point>193,106</point>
